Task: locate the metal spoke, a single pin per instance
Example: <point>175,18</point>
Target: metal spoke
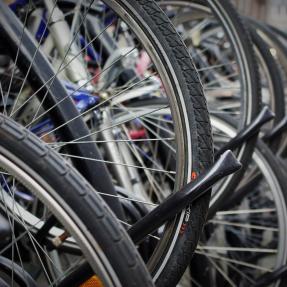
<point>79,88</point>
<point>258,227</point>
<point>237,262</point>
<point>18,51</point>
<point>61,69</point>
<point>222,249</point>
<point>117,124</point>
<point>128,199</point>
<point>117,141</point>
<point>32,239</point>
<point>97,106</point>
<point>117,163</point>
<point>245,211</point>
<point>34,55</point>
<point>215,66</point>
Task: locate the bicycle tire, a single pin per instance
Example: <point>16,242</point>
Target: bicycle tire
<point>192,115</point>
<point>239,37</point>
<point>268,165</point>
<point>66,188</point>
<point>274,74</point>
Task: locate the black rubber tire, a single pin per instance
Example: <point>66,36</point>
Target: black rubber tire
<point>234,26</point>
<point>278,32</point>
<point>273,41</point>
<point>274,74</point>
<point>192,106</point>
<point>224,10</point>
<point>67,186</point>
<point>277,89</point>
<point>176,60</point>
<point>242,34</point>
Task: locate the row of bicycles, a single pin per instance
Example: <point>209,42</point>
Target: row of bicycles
<point>142,143</point>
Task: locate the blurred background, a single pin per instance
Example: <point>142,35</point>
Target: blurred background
<point>271,11</point>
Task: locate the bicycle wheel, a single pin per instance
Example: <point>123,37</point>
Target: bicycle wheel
<point>222,51</point>
<point>149,33</point>
<point>271,82</point>
<point>275,97</point>
<point>279,54</point>
<point>246,238</point>
<point>278,48</point>
<point>281,34</point>
<point>49,207</point>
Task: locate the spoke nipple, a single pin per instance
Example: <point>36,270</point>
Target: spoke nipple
<point>58,240</point>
